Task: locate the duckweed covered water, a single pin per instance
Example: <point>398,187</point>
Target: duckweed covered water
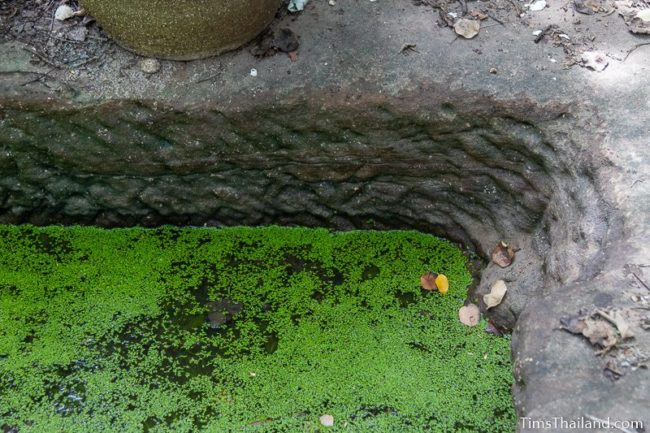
<point>241,329</point>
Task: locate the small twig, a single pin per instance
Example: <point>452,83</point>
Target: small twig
<point>43,58</point>
<point>85,62</point>
<point>641,281</point>
<point>39,78</point>
<point>634,48</point>
<point>490,25</point>
<point>516,5</point>
<point>604,422</point>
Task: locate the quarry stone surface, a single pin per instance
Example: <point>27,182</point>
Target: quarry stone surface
<point>482,140</point>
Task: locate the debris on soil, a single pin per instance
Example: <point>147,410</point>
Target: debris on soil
<point>640,23</point>
<point>497,292</point>
<point>467,28</point>
<point>286,41</point>
<point>609,332</point>
<point>503,254</point>
<point>469,315</point>
<point>589,7</point>
<point>327,420</point>
<point>635,17</point>
<point>269,43</point>
<point>594,60</point>
<point>408,48</point>
<point>149,66</point>
<point>492,328</point>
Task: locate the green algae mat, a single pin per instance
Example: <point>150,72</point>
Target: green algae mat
<point>241,330</point>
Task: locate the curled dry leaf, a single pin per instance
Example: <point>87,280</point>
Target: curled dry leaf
<point>442,284</point>
<point>478,15</point>
<point>469,315</point>
<point>616,318</point>
<point>599,333</point>
<point>640,23</point>
<point>503,254</point>
<point>467,28</point>
<point>497,292</point>
<point>428,281</point>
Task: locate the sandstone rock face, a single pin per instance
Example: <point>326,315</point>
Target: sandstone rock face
<point>182,30</point>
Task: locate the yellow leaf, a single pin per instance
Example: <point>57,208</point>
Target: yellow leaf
<point>442,283</point>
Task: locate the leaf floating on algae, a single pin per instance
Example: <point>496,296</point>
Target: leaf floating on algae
<point>469,315</point>
<point>428,281</point>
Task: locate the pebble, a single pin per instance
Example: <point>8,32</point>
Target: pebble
<point>538,6</point>
<point>327,420</point>
<point>63,12</point>
<point>149,66</point>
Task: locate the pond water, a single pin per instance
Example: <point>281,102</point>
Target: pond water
<point>241,329</point>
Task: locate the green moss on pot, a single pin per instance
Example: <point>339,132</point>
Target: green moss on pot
<point>182,29</point>
<point>241,329</point>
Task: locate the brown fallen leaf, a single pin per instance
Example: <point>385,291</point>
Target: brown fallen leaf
<point>469,315</point>
<point>478,15</point>
<point>616,319</point>
<point>599,333</point>
<point>503,254</point>
<point>497,292</point>
<point>428,281</point>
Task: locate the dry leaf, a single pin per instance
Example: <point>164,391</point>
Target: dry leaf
<point>497,292</point>
<point>503,254</point>
<point>640,24</point>
<point>600,333</point>
<point>467,28</point>
<point>616,319</point>
<point>442,283</point>
<point>478,15</point>
<point>469,315</point>
<point>428,281</point>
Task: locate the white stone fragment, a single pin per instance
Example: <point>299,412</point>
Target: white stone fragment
<point>63,13</point>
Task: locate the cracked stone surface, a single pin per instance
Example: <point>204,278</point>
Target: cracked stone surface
<point>356,134</point>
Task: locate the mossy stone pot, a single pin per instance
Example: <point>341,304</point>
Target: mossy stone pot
<point>182,29</point>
